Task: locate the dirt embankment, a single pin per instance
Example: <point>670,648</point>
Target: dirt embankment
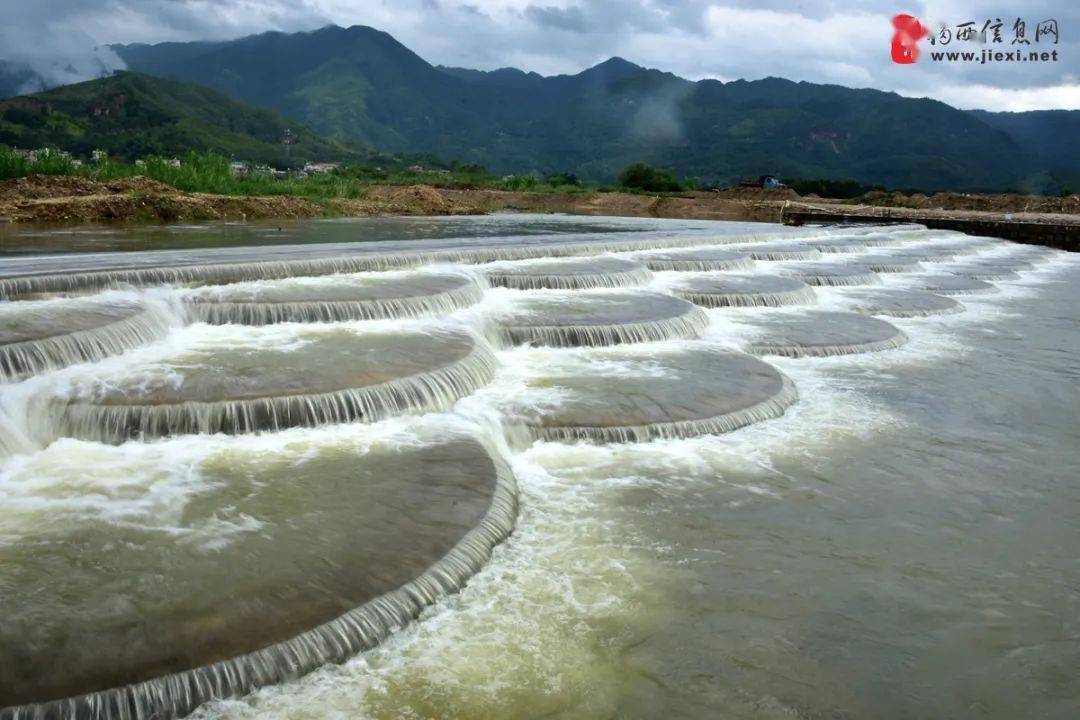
<point>72,199</point>
<point>988,202</point>
<point>697,205</point>
<point>69,199</point>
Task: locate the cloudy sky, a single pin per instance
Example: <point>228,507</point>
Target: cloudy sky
<point>827,41</point>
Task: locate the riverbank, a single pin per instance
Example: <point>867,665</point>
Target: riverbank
<point>79,200</point>
<point>72,199</point>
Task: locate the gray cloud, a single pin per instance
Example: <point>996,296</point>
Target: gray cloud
<point>571,18</point>
<point>829,41</point>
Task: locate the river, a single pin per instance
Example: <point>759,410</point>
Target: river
<point>898,538</point>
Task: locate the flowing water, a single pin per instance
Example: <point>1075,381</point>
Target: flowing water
<point>890,531</point>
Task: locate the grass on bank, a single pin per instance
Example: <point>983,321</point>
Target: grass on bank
<point>212,173</point>
<point>196,172</point>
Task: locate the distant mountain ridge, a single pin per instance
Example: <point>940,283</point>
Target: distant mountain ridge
<point>362,84</point>
<point>133,115</point>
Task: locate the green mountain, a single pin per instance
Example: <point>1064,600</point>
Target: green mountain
<point>360,83</point>
<point>1049,141</point>
<point>132,115</point>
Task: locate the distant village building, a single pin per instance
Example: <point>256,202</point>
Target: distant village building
<point>421,170</point>
<point>237,168</point>
<point>321,168</point>
<point>43,154</point>
<point>99,156</point>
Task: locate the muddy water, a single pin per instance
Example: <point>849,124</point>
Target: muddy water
<point>900,543</point>
<point>34,241</point>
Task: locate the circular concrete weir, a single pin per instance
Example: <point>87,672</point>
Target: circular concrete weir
<point>605,317</point>
<point>901,303</point>
<point>842,244</point>
<point>631,396</point>
<point>1035,253</point>
<point>952,285</point>
<point>724,290</point>
<point>276,377</point>
<point>334,298</point>
<point>41,335</point>
<point>887,263</point>
<point>880,239</point>
<point>781,251</point>
<point>823,334</point>
<point>696,259</point>
<point>928,254</point>
<point>833,274</point>
<point>963,244</point>
<point>603,271</point>
<point>1002,261</point>
<point>202,568</point>
<point>982,271</point>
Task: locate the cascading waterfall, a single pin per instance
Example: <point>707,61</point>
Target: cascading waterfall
<point>101,328</point>
<point>364,361</point>
<point>781,251</point>
<point>599,318</point>
<point>629,396</point>
<point>351,298</point>
<point>568,274</point>
<point>1003,262</point>
<point>334,641</point>
<point>878,239</point>
<point>714,291</point>
<point>927,254</point>
<point>696,260</point>
<point>953,285</point>
<point>839,245</point>
<point>982,272</point>
<point>342,377</point>
<point>834,275</point>
<point>825,334</point>
<point>889,263</point>
<point>902,303</point>
<point>16,286</point>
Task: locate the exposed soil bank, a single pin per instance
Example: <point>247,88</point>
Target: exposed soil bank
<point>73,199</point>
<point>69,199</point>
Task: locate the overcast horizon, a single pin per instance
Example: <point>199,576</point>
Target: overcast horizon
<point>828,42</point>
